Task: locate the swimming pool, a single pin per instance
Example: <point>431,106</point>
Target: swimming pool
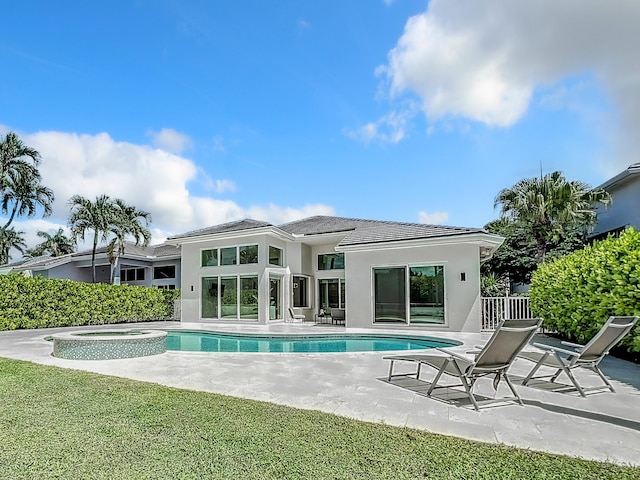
<point>201,341</point>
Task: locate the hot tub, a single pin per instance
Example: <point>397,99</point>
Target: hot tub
<point>108,344</point>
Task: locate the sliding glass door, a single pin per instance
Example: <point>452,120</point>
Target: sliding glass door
<point>409,294</point>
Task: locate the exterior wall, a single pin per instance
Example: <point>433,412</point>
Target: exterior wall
<point>68,271</point>
<point>166,281</point>
<point>193,272</point>
<point>462,298</point>
<point>624,210</point>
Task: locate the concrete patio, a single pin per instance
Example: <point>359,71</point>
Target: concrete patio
<point>602,427</point>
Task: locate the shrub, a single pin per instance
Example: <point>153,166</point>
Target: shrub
<point>576,294</point>
<point>40,303</point>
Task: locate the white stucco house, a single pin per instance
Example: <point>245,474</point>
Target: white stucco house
<point>380,273</point>
<point>624,210</point>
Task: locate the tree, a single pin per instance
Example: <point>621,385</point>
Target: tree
<point>21,191</point>
<point>126,223</point>
<point>515,260</point>
<point>96,217</point>
<point>9,239</point>
<point>56,245</point>
<point>549,206</point>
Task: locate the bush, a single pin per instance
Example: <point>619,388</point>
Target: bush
<point>578,292</point>
<point>40,303</point>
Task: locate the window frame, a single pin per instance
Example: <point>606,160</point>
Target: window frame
<point>407,293</point>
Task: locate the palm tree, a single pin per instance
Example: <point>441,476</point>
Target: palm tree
<point>20,189</point>
<point>24,192</point>
<point>91,216</point>
<point>57,244</point>
<point>126,223</point>
<point>549,205</point>
<point>9,239</point>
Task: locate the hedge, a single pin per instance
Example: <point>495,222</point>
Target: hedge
<point>576,294</point>
<point>41,303</point>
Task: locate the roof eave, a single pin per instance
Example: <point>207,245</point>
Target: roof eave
<point>487,240</point>
<point>233,234</point>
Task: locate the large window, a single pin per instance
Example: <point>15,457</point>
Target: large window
<point>221,297</point>
<point>249,297</point>
<point>389,293</point>
<point>275,255</point>
<point>331,261</point>
<point>413,294</point>
<point>228,256</point>
<point>332,293</point>
<point>244,254</point>
<point>228,297</point>
<point>132,275</point>
<point>166,271</point>
<point>426,297</point>
<point>209,258</point>
<point>209,297</point>
<point>248,254</point>
<point>300,291</point>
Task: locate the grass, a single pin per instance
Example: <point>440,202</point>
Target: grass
<point>57,423</point>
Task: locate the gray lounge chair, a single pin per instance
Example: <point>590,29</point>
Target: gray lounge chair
<point>494,358</point>
<point>294,317</point>
<point>589,355</point>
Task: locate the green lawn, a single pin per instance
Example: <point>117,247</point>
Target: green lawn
<point>57,423</point>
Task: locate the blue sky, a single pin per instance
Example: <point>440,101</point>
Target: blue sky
<point>203,112</point>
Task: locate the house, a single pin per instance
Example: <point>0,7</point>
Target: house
<point>624,210</point>
<point>383,274</point>
<point>152,266</point>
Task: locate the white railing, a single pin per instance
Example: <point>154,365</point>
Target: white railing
<point>494,309</point>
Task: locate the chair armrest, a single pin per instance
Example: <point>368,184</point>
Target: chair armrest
<point>453,354</point>
<point>574,345</point>
<point>542,346</point>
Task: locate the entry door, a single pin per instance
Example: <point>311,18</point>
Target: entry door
<point>275,297</point>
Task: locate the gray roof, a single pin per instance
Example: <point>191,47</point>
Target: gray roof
<point>245,224</point>
<point>131,249</point>
<point>361,231</point>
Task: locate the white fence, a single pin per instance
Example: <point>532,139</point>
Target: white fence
<point>495,309</point>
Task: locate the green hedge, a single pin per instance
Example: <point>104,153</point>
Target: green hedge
<point>576,294</point>
<point>40,303</point>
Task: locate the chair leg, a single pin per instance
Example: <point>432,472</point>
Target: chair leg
<point>604,379</point>
<point>575,382</point>
<point>529,377</point>
<point>513,389</point>
<point>437,377</point>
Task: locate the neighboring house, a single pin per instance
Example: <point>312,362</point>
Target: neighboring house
<point>384,274</point>
<point>624,211</point>
<point>153,266</point>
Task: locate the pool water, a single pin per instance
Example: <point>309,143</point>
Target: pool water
<point>195,341</point>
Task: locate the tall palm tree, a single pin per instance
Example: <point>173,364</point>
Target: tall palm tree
<point>9,239</point>
<point>23,193</point>
<point>96,217</point>
<point>126,223</point>
<point>20,189</point>
<point>548,205</point>
<point>57,244</point>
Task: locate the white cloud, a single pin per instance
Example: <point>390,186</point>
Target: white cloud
<point>153,180</point>
<point>390,128</point>
<point>170,140</point>
<point>484,60</point>
<point>435,218</point>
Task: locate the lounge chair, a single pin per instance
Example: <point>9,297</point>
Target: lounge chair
<point>494,358</point>
<point>589,355</point>
<point>337,316</point>
<point>294,317</point>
